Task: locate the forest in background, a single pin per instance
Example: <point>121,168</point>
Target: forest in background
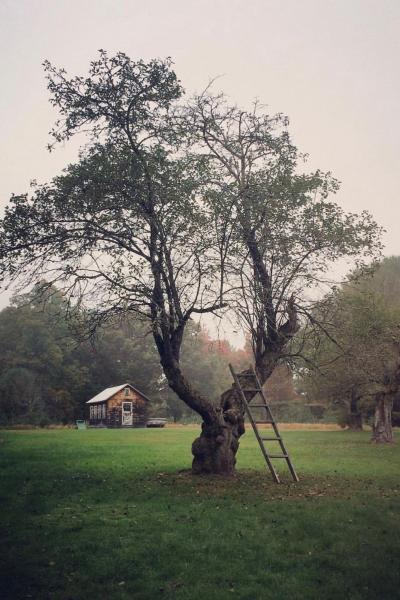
<point>47,373</point>
<point>49,369</point>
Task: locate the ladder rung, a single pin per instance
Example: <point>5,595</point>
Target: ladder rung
<point>252,390</point>
<point>273,439</point>
<point>278,455</point>
<point>258,406</point>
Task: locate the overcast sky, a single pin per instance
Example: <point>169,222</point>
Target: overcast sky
<point>331,66</point>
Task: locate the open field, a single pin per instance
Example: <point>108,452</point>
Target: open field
<point>110,514</point>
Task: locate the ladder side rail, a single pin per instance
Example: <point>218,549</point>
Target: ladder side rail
<point>292,469</point>
<point>263,395</point>
<point>281,442</point>
<point>253,424</point>
<point>271,421</point>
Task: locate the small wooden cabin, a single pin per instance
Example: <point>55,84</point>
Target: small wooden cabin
<point>119,406</point>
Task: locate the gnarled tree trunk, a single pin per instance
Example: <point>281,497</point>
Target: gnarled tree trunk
<point>382,431</point>
<point>215,450</point>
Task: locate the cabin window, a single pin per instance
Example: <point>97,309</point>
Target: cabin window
<point>127,391</point>
<point>98,411</point>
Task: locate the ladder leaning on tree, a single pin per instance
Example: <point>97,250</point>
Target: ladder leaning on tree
<point>249,383</point>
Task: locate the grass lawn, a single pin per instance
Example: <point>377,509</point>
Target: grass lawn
<point>114,515</point>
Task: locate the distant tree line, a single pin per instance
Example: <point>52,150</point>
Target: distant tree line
<point>47,372</point>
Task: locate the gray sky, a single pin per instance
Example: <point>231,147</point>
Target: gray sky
<point>332,66</point>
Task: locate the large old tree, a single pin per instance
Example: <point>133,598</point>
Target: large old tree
<point>176,210</point>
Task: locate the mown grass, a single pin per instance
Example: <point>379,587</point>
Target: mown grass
<point>116,515</point>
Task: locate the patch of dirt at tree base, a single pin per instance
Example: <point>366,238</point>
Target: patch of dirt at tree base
<point>250,484</point>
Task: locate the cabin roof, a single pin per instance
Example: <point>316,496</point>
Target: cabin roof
<point>111,391</point>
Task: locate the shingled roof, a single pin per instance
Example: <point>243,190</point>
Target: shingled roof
<point>108,392</point>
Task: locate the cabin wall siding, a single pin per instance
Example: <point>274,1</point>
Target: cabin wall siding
<point>113,417</point>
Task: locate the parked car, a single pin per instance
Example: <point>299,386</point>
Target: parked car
<point>156,422</point>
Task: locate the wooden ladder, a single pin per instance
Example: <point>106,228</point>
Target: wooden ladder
<point>249,382</point>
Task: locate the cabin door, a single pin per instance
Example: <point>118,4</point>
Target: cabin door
<point>127,414</point>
